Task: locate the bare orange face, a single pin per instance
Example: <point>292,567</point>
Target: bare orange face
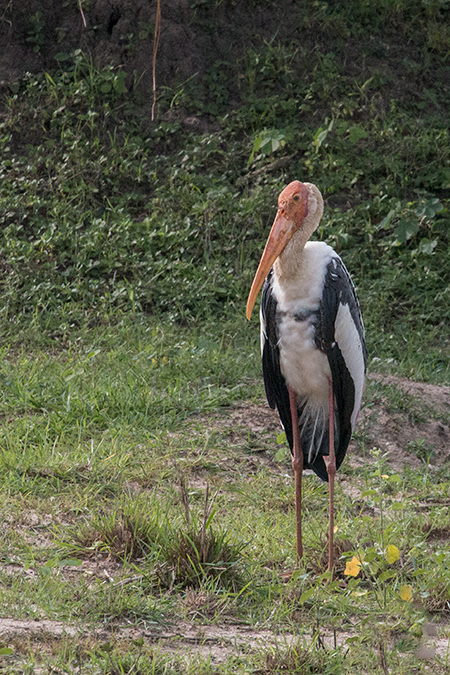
<point>292,210</point>
<point>293,202</point>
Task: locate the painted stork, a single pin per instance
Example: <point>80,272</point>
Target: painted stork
<point>312,341</point>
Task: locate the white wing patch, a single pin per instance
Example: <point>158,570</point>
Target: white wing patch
<point>349,342</point>
<point>262,330</point>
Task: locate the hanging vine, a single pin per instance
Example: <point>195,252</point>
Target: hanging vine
<point>82,13</point>
<point>155,50</point>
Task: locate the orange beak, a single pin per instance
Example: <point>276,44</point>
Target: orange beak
<point>292,210</point>
<point>279,236</point>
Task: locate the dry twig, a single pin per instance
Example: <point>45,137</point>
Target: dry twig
<point>82,13</point>
<point>155,50</point>
<point>383,658</point>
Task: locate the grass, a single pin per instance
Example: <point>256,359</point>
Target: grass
<point>110,520</point>
<point>147,503</point>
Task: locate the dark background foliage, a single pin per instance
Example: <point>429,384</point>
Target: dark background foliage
<point>104,211</point>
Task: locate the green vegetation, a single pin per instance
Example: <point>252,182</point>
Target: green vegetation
<point>133,498</point>
<point>131,492</point>
<point>103,213</point>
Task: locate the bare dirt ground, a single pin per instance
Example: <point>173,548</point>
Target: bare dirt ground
<point>425,422</point>
<point>216,643</point>
<point>397,429</point>
<point>418,420</point>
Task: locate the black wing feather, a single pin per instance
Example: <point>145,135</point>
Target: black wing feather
<point>338,290</point>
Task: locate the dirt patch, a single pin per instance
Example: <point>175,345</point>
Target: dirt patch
<point>435,395</point>
<point>414,433</point>
<point>256,417</point>
<point>193,36</point>
<point>221,642</point>
<point>11,628</point>
<point>407,434</point>
<point>217,643</point>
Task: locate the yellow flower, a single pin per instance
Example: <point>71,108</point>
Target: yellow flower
<point>353,566</point>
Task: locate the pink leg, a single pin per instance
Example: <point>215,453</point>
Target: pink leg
<point>297,465</point>
<point>331,468</point>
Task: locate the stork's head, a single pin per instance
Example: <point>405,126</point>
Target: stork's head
<point>295,203</point>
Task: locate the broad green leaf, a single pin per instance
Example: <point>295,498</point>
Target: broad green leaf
<point>6,651</point>
<point>395,478</point>
<point>341,127</point>
<point>257,143</point>
<point>385,222</point>
<point>267,142</point>
<point>119,82</point>
<point>282,454</point>
<point>387,574</point>
<point>281,438</point>
<point>355,134</point>
<point>405,230</point>
<point>369,493</point>
<point>320,137</point>
<point>306,595</point>
<point>70,562</point>
<point>429,208</point>
<point>392,554</point>
<point>370,554</point>
<point>266,146</point>
<point>427,246</point>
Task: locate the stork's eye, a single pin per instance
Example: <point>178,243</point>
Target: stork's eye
<point>296,198</point>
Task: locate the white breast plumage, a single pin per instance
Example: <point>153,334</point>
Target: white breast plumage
<point>304,367</point>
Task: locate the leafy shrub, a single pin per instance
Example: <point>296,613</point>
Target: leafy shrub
<point>102,212</point>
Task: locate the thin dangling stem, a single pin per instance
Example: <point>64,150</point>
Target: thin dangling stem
<point>80,6</point>
<point>297,465</point>
<point>331,468</point>
<point>155,50</point>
